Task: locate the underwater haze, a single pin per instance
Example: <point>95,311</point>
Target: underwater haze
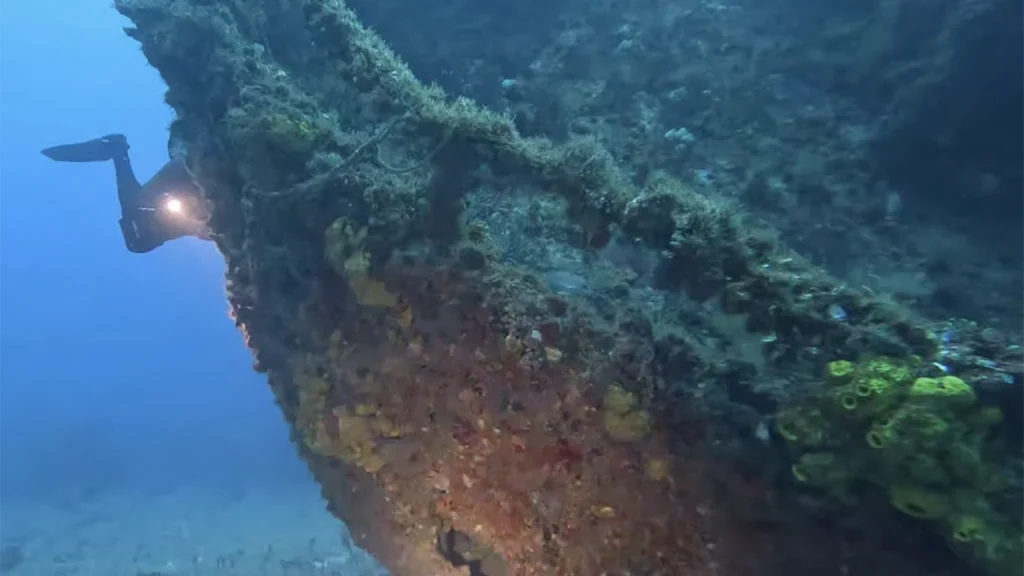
<point>512,288</point>
<point>136,438</point>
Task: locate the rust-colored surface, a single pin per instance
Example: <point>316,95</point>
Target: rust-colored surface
<point>472,432</point>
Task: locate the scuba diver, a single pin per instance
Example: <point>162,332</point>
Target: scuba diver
<point>169,206</point>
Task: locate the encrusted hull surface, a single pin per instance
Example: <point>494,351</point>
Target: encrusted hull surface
<point>493,351</point>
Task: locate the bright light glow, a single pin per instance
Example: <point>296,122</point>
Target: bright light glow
<point>173,206</point>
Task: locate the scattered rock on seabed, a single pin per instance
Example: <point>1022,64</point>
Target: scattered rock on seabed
<point>11,556</point>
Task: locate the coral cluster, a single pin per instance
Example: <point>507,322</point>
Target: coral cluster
<point>624,421</point>
<point>927,442</point>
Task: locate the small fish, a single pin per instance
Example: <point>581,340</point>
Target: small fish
<point>564,282</point>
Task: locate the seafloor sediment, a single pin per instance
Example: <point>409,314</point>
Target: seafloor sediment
<point>504,354</point>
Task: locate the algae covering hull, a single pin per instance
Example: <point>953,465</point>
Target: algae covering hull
<point>397,263</point>
<point>441,433</point>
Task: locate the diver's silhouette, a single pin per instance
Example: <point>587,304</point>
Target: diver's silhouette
<point>168,206</point>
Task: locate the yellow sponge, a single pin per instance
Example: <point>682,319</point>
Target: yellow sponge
<point>949,389</point>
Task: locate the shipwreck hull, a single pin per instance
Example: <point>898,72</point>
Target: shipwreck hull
<point>493,352</point>
<point>476,435</point>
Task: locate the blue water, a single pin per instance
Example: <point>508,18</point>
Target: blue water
<point>134,434</point>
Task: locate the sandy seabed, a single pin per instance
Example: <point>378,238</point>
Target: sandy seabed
<point>271,530</point>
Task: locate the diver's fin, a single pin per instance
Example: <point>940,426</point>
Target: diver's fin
<point>96,150</point>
